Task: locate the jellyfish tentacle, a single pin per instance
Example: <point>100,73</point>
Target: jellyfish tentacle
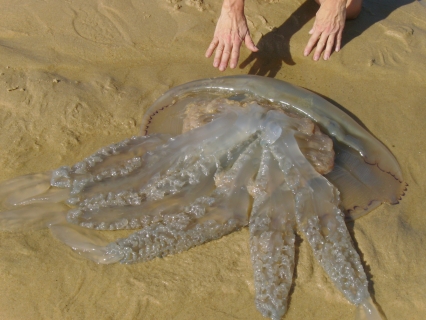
<point>232,123</point>
<point>15,191</point>
<point>52,195</point>
<point>272,238</point>
<point>34,217</point>
<point>86,242</point>
<point>180,221</point>
<point>27,191</point>
<point>207,218</point>
<point>29,203</point>
<point>182,183</point>
<point>320,220</point>
<point>129,209</point>
<point>117,159</point>
<point>157,161</point>
<point>188,178</point>
<point>34,201</point>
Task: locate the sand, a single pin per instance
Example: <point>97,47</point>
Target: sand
<point>76,75</point>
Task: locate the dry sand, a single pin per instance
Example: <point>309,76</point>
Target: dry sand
<point>76,75</point>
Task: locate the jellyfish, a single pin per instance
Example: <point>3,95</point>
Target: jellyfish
<point>214,156</point>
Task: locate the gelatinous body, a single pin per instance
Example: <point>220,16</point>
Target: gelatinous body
<point>218,155</point>
<point>366,173</point>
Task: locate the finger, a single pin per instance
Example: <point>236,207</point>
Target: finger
<point>218,55</point>
<point>339,40</point>
<point>225,56</point>
<point>320,46</point>
<point>211,47</point>
<point>311,43</point>
<point>329,47</point>
<point>313,27</point>
<point>235,54</point>
<point>250,44</point>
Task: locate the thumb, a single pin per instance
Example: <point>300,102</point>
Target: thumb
<point>313,28</point>
<point>250,44</point>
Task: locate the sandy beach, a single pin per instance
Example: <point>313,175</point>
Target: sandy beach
<point>76,75</point>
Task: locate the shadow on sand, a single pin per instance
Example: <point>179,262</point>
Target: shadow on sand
<point>274,47</point>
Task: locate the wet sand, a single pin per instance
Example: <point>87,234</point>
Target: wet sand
<point>77,75</point>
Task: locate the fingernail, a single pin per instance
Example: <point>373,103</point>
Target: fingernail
<point>326,57</point>
<point>305,53</point>
<point>232,66</point>
<point>316,58</point>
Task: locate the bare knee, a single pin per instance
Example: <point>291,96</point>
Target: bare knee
<point>353,8</point>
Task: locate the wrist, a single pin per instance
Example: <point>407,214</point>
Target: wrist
<point>340,2</point>
<point>233,5</point>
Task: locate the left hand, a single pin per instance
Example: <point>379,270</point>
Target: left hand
<point>328,29</point>
<point>231,31</point>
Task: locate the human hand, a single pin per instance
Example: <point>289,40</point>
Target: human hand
<point>328,29</point>
<point>231,30</point>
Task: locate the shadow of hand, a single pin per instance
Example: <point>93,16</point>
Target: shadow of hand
<point>274,48</point>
